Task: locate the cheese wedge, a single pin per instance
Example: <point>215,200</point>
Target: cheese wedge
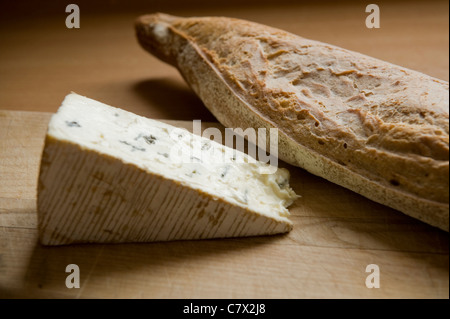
<point>110,176</point>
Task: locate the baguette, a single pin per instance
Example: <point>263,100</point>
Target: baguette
<point>378,129</point>
<point>111,176</point>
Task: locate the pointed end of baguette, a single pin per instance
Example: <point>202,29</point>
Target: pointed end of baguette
<point>154,35</point>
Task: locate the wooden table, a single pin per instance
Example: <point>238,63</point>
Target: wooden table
<point>337,233</point>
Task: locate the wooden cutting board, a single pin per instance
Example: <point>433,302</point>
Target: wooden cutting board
<point>336,235</point>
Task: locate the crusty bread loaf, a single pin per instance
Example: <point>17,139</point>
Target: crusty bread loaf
<point>378,129</point>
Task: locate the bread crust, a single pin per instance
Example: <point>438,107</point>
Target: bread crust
<point>375,128</point>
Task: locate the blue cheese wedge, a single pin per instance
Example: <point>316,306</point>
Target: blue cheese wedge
<point>110,176</point>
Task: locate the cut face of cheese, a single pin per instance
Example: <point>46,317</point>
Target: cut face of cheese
<point>110,176</point>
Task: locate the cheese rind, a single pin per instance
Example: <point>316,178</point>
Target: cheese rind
<point>107,176</point>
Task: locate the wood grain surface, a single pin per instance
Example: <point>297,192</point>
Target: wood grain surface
<point>336,232</point>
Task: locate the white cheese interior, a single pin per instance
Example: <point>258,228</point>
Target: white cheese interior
<point>151,145</point>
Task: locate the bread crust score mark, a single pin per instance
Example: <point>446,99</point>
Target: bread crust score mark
<point>373,127</point>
